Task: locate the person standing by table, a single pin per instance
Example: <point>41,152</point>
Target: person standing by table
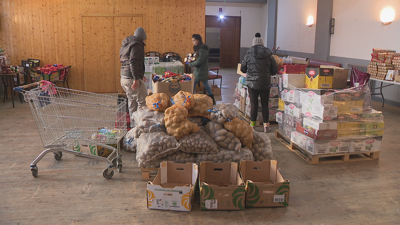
<point>132,70</point>
<point>259,65</point>
<point>201,64</point>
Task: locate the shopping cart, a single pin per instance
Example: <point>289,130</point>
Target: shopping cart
<point>77,122</point>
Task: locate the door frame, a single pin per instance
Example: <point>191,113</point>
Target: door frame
<point>211,22</point>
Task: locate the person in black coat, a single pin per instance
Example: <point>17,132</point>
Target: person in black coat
<point>259,65</point>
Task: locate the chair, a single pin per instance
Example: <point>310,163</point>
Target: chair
<point>152,54</point>
<point>171,56</point>
<point>215,75</point>
<point>64,76</point>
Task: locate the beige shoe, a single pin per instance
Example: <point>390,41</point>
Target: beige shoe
<point>267,128</point>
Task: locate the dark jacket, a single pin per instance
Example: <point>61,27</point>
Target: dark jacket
<point>259,65</point>
<point>200,65</point>
<point>131,56</point>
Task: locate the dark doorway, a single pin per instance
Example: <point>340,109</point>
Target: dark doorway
<point>229,28</point>
<point>213,35</point>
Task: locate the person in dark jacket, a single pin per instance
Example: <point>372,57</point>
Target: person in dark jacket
<point>259,65</point>
<point>132,70</point>
<point>200,65</point>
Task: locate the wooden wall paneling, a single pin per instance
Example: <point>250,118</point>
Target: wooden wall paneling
<point>51,30</point>
<point>237,39</point>
<point>227,50</point>
<point>98,44</point>
<point>123,27</point>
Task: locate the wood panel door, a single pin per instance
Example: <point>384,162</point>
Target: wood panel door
<point>230,39</point>
<point>98,54</point>
<point>123,27</point>
<point>227,54</point>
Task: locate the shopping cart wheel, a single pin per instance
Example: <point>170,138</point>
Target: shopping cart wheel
<point>119,167</point>
<point>58,155</point>
<point>35,171</point>
<point>108,173</point>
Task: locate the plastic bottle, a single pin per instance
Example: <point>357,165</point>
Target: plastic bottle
<point>290,61</point>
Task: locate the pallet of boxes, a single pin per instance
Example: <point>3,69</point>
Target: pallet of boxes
<point>322,121</point>
<point>242,99</point>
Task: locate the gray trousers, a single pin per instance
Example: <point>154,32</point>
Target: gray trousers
<point>136,98</point>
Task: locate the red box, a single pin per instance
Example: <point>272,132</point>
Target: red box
<point>317,134</point>
<point>293,69</point>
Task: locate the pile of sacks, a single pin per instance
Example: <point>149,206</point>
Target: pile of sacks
<point>186,128</point>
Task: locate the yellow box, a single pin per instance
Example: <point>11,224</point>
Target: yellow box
<point>349,107</point>
<point>281,106</point>
<point>319,78</point>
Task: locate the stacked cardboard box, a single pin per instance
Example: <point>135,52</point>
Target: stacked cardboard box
<point>323,121</point>
<point>383,61</point>
<point>223,186</point>
<point>242,99</point>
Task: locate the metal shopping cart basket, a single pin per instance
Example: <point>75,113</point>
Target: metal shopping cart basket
<point>77,122</point>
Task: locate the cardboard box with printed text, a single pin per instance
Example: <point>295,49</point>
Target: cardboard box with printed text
<point>221,187</point>
<point>265,186</point>
<point>173,188</point>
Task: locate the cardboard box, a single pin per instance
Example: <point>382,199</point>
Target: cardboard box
<point>172,88</point>
<point>321,112</point>
<point>316,134</point>
<point>173,188</point>
<point>316,96</point>
<point>316,78</point>
<point>242,103</point>
<point>293,69</point>
<point>272,115</point>
<point>221,187</point>
<point>299,139</point>
<point>239,71</point>
<point>366,145</point>
<point>279,117</point>
<point>328,147</point>
<point>215,90</point>
<point>273,103</point>
<point>274,91</point>
<point>349,107</point>
<point>292,96</point>
<point>274,81</point>
<point>265,186</point>
<point>199,87</point>
<point>293,110</point>
<point>281,105</point>
<point>340,76</point>
<point>295,80</point>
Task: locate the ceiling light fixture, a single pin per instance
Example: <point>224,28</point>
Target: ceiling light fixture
<point>387,15</point>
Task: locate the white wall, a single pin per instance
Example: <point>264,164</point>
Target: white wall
<point>265,22</point>
<point>358,28</point>
<point>252,18</point>
<point>292,32</point>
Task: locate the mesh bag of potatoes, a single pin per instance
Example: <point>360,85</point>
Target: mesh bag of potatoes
<point>202,104</point>
<point>262,148</point>
<point>199,142</point>
<point>226,156</point>
<point>178,157</point>
<point>224,112</point>
<point>154,146</point>
<point>222,137</point>
<point>158,102</point>
<point>145,119</point>
<point>129,142</point>
<point>177,123</point>
<point>184,99</point>
<point>242,130</point>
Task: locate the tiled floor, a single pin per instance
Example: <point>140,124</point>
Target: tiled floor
<point>73,190</point>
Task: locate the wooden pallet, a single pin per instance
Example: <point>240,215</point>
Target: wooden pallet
<point>325,158</point>
<point>146,173</point>
<point>245,117</point>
